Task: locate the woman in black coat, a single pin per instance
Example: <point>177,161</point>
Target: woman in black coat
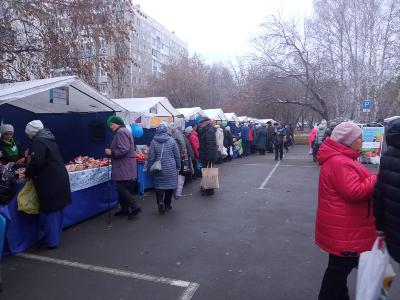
<point>208,148</point>
<point>47,170</point>
<point>387,192</point>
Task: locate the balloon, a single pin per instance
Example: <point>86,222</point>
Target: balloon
<point>137,131</point>
<point>197,120</point>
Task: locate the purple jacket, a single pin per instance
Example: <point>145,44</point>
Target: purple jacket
<point>123,156</point>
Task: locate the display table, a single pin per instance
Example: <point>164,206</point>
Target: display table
<point>88,200</point>
<point>144,178</point>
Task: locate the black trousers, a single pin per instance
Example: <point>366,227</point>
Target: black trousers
<point>334,283</point>
<point>164,196</point>
<point>126,190</point>
<point>278,150</point>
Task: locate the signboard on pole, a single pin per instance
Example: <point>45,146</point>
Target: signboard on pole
<point>366,105</point>
<point>372,144</point>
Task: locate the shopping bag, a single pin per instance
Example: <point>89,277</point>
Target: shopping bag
<point>28,201</point>
<point>209,178</point>
<point>374,274</point>
<point>224,152</point>
<point>179,188</point>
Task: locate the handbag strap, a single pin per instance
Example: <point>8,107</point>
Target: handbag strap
<point>162,151</point>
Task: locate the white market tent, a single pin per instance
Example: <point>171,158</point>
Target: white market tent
<point>243,119</point>
<point>191,113</point>
<point>55,95</point>
<point>232,117</point>
<point>264,121</point>
<point>146,107</point>
<point>216,114</point>
<point>387,120</point>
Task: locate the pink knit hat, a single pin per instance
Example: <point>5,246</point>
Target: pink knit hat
<point>346,133</point>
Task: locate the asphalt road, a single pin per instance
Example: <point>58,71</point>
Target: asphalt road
<point>242,243</point>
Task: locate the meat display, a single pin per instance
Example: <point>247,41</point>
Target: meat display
<point>85,162</point>
<point>20,172</point>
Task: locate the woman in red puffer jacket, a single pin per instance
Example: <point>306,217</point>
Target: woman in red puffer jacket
<point>345,222</point>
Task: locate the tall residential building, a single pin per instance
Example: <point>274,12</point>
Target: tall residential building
<point>151,46</point>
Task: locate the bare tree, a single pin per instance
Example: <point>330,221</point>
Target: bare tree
<point>54,37</point>
<point>283,50</point>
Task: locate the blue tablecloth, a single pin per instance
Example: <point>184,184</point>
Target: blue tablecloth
<point>23,230</point>
<point>144,178</point>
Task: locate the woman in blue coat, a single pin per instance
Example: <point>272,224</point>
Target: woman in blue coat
<point>164,148</point>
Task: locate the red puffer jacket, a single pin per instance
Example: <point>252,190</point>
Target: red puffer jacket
<point>345,222</point>
<point>194,142</point>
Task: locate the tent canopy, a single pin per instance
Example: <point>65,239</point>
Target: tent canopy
<point>136,108</point>
<point>55,95</point>
<point>232,117</point>
<point>264,121</point>
<point>191,112</point>
<point>216,114</point>
<point>243,118</point>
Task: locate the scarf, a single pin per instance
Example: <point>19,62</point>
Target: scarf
<point>10,149</point>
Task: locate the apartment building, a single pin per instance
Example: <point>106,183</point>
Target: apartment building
<point>151,46</point>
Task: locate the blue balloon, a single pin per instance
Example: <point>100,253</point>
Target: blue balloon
<point>197,120</point>
<point>137,131</point>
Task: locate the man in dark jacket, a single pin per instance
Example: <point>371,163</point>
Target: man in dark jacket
<point>46,168</point>
<point>208,147</point>
<point>387,192</point>
<point>123,160</point>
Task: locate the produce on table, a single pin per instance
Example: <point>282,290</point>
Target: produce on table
<point>141,157</point>
<point>85,162</point>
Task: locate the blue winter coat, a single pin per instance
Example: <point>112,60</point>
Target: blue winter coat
<point>167,178</point>
<point>244,133</point>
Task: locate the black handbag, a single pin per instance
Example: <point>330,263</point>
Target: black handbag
<point>8,185</point>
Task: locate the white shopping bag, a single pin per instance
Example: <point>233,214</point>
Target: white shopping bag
<point>179,189</point>
<point>374,275</point>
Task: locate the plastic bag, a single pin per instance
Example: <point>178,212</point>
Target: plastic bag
<point>374,275</point>
<point>179,188</point>
<point>28,201</point>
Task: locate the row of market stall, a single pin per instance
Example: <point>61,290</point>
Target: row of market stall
<point>76,113</point>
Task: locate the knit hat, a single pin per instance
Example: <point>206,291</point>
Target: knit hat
<point>115,120</point>
<point>346,133</point>
<point>33,127</point>
<point>189,129</point>
<point>161,129</point>
<point>6,128</point>
<point>205,119</point>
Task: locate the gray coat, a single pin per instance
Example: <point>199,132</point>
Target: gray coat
<point>123,156</point>
<point>167,178</point>
<point>180,141</point>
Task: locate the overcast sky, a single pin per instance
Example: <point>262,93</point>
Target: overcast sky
<point>219,30</point>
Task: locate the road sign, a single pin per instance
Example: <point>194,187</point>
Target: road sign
<point>366,105</point>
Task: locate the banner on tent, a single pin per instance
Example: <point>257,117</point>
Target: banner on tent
<point>59,95</point>
<point>81,180</point>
